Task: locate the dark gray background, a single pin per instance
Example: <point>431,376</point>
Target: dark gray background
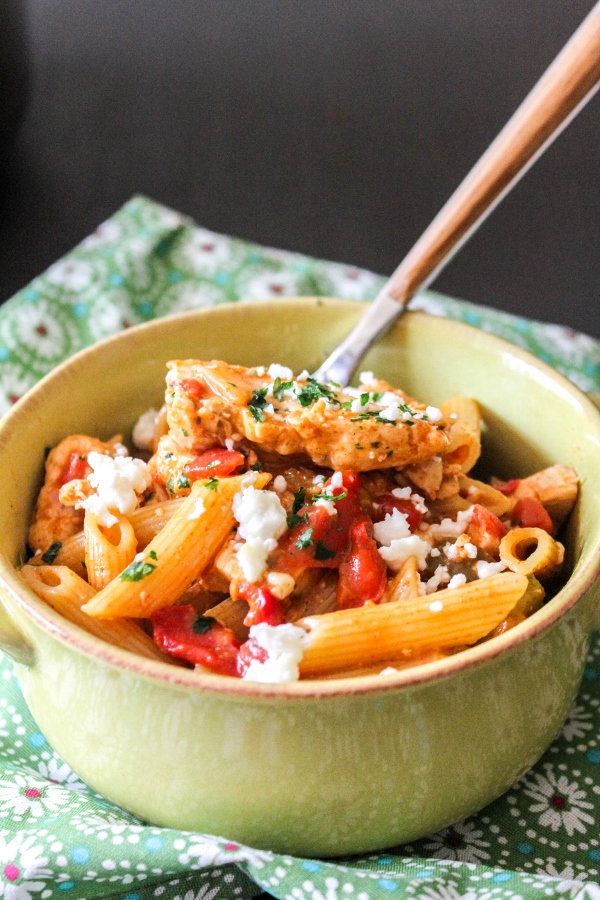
<point>332,127</point>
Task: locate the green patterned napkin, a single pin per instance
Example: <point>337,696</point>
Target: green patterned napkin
<point>57,837</point>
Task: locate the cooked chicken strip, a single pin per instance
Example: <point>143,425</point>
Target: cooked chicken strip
<point>340,428</point>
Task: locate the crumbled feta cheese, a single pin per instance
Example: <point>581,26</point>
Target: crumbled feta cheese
<point>197,510</point>
<point>117,482</point>
<point>120,449</point>
<point>367,378</point>
<point>143,430</point>
<point>229,445</point>
<point>433,413</point>
<point>284,645</point>
<point>260,370</point>
<point>337,480</point>
<point>280,484</point>
<point>353,392</point>
<point>440,576</point>
<point>139,557</point>
<point>452,529</point>
<point>277,371</point>
<point>387,398</point>
<point>262,519</point>
<point>486,569</point>
<point>252,558</point>
<point>460,550</point>
<point>389,670</point>
<point>319,479</point>
<point>269,408</point>
<point>406,493</point>
<point>394,527</point>
<point>356,406</point>
<point>248,479</point>
<point>400,550</point>
<point>303,375</point>
<point>457,581</point>
<point>435,552</point>
<point>329,505</point>
<point>436,606</point>
<point>391,413</point>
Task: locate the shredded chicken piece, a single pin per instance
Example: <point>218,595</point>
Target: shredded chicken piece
<point>52,520</point>
<point>209,403</point>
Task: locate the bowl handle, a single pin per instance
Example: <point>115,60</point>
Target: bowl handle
<point>12,641</point>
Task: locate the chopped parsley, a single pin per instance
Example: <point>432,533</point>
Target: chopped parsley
<point>184,432</point>
<point>375,444</point>
<point>51,553</point>
<point>212,484</point>
<point>257,403</point>
<point>358,447</point>
<point>279,388</point>
<point>153,555</point>
<point>364,399</point>
<point>293,519</point>
<point>346,404</point>
<point>202,624</point>
<point>212,464</point>
<point>330,497</point>
<point>135,571</point>
<point>170,487</point>
<point>305,539</point>
<point>313,391</point>
<point>323,552</point>
<point>256,467</point>
<point>183,481</point>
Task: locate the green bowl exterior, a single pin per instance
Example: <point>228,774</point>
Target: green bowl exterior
<point>315,768</point>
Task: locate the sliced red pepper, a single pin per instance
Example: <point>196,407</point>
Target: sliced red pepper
<point>192,387</point>
<point>264,607</point>
<point>215,463</point>
<point>322,540</point>
<point>508,487</point>
<point>386,505</point>
<point>363,575</point>
<point>530,513</point>
<point>486,530</point>
<point>77,467</point>
<point>200,640</point>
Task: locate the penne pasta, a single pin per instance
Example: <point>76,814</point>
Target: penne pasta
<point>474,491</point>
<point>285,528</point>
<point>107,550</point>
<point>531,551</point>
<point>405,583</point>
<point>178,554</point>
<point>364,636</point>
<point>465,433</point>
<point>66,592</point>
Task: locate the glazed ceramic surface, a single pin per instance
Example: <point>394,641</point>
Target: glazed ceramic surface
<point>313,768</point>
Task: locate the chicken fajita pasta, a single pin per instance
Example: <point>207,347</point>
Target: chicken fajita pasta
<point>270,527</point>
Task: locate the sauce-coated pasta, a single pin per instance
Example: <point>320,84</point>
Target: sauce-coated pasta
<point>271,527</point>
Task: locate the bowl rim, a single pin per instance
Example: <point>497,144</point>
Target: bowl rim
<point>167,674</point>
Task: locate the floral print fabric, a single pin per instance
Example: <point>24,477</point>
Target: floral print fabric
<point>57,837</point>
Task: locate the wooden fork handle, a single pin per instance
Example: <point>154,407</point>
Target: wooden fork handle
<point>557,97</point>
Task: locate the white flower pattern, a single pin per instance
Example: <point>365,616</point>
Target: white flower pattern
<point>559,802</point>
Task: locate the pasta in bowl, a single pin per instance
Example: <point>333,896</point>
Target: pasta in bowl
<point>370,760</point>
<point>244,551</point>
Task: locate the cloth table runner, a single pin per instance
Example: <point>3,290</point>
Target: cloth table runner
<point>60,839</point>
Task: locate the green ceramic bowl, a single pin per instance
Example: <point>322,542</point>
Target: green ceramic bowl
<point>313,768</point>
